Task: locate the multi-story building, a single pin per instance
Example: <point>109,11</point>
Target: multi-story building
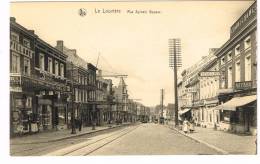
<point>121,98</point>
<point>104,97</point>
<point>37,82</point>
<point>189,100</point>
<point>82,81</point>
<point>206,115</point>
<point>237,62</point>
<point>22,49</point>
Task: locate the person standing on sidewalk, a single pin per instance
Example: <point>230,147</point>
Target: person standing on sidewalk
<point>185,126</point>
<point>191,127</point>
<point>80,123</point>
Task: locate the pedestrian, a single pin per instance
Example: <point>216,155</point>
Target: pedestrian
<point>185,126</point>
<point>80,123</point>
<point>191,127</point>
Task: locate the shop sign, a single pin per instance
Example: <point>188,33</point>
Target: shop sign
<point>209,74</point>
<point>243,85</point>
<point>15,80</point>
<point>190,90</point>
<point>199,103</point>
<point>244,19</point>
<point>16,89</point>
<point>56,104</point>
<point>44,102</point>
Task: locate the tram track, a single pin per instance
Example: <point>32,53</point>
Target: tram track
<point>45,147</point>
<point>89,147</point>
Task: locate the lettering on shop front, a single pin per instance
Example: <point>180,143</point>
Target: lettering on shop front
<point>243,85</point>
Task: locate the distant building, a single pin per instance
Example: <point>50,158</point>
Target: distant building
<point>121,99</point>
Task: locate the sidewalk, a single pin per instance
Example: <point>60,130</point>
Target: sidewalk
<point>224,142</point>
<point>50,136</point>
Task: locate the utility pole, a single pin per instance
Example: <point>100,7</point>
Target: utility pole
<point>162,98</point>
<point>175,63</point>
<point>73,130</point>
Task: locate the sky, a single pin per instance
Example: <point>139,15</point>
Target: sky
<point>134,44</point>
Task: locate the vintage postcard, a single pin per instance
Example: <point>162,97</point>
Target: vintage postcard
<point>92,78</point>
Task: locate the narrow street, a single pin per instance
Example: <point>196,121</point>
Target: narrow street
<point>143,139</point>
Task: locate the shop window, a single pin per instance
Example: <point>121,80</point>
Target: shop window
<point>247,42</point>
<point>50,65</point>
<point>15,65</point>
<point>248,67</point>
<point>237,73</point>
<point>27,66</point>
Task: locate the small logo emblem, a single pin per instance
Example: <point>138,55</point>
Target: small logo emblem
<point>82,12</point>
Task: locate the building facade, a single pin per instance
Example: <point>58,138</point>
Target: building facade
<point>237,62</point>
<point>37,85</point>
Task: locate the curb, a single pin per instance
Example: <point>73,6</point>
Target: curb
<point>72,136</point>
<point>200,141</point>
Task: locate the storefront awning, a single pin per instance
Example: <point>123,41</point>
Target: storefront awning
<point>236,102</point>
<point>184,111</point>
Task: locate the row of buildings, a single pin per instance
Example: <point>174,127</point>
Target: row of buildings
<point>52,86</point>
<point>220,90</point>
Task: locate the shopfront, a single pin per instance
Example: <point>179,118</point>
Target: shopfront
<point>239,114</point>
<point>22,118</point>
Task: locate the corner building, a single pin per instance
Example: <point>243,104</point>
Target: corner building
<point>237,63</point>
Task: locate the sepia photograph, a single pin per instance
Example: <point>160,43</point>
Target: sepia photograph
<point>125,78</point>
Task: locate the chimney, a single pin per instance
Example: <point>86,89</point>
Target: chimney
<point>59,45</point>
<point>12,19</point>
<point>74,51</point>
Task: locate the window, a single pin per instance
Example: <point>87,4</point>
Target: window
<point>27,66</point>
<point>86,81</point>
<point>237,49</point>
<point>76,94</point>
<point>50,65</point>
<point>79,95</point>
<point>229,55</point>
<point>56,68</point>
<point>14,37</point>
<point>222,60</point>
<point>248,67</point>
<point>26,43</point>
<point>237,73</point>
<point>61,70</point>
<point>41,62</point>
<point>247,42</point>
<point>229,77</point>
<point>15,65</point>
